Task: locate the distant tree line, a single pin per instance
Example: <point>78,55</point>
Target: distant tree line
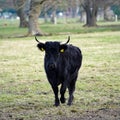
<point>31,10</point>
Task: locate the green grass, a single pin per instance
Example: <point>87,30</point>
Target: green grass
<point>10,28</point>
<point>24,90</point>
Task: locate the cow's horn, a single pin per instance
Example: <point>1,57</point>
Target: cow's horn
<point>67,41</point>
<point>38,40</point>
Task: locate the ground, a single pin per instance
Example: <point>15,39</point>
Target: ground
<point>101,114</point>
<point>25,93</point>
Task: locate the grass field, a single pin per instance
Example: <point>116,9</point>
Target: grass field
<point>25,93</point>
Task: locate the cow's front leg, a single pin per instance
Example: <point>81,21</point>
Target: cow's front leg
<point>55,90</point>
<point>62,92</point>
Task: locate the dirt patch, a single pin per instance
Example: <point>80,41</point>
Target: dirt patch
<point>101,114</point>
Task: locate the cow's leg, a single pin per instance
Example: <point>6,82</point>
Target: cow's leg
<point>55,90</point>
<point>62,92</point>
<point>71,88</point>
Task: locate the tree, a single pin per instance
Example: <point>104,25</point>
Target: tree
<point>19,5</point>
<point>35,10</point>
<point>6,4</point>
<point>34,13</point>
<point>116,9</point>
<point>106,4</point>
<point>51,5</point>
<point>91,8</point>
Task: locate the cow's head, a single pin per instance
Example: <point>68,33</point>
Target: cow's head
<point>52,52</point>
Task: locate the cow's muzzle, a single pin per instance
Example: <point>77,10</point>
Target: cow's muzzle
<point>51,66</point>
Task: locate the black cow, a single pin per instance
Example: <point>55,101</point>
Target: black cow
<point>62,63</point>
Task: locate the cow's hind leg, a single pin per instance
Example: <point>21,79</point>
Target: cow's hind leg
<point>71,88</point>
<point>62,92</point>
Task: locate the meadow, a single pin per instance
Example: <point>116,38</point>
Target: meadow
<point>25,93</point>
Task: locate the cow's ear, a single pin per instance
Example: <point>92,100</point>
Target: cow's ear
<point>63,48</point>
<point>41,46</point>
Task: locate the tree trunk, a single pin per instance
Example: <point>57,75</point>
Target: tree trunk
<point>91,14</point>
<point>108,14</point>
<point>23,22</point>
<point>53,17</point>
<point>19,5</point>
<point>91,19</point>
<point>33,18</point>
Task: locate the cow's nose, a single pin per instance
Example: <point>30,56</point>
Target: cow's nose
<point>51,66</point>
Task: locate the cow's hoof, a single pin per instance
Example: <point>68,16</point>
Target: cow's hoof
<point>62,100</point>
<point>70,100</point>
<point>69,103</point>
<point>56,104</point>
